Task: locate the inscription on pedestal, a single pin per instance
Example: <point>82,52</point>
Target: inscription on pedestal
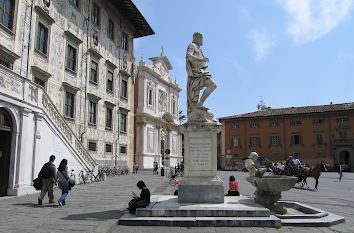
<point>200,154</point>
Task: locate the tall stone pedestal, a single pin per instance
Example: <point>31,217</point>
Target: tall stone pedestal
<point>200,183</point>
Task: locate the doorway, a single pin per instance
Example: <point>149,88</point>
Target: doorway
<point>5,148</point>
<point>344,157</point>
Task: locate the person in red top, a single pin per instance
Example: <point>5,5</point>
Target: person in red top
<point>233,187</point>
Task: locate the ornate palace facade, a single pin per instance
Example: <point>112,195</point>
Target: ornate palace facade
<point>66,85</point>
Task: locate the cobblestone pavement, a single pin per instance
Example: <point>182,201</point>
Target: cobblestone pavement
<point>96,207</point>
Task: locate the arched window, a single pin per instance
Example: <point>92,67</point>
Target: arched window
<point>5,121</point>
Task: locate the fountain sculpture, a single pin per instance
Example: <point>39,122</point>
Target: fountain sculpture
<point>268,188</point>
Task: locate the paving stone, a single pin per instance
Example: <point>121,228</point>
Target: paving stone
<point>89,206</point>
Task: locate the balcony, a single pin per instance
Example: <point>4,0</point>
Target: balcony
<point>344,142</point>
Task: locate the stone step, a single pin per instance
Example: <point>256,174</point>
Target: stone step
<point>168,206</point>
<point>132,220</point>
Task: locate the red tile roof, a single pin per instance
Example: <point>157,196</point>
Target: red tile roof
<point>293,110</point>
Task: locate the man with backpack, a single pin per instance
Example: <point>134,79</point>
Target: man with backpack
<point>47,175</point>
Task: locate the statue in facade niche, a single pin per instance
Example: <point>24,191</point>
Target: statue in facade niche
<point>198,79</point>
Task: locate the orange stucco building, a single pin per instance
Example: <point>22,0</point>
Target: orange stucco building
<point>313,134</point>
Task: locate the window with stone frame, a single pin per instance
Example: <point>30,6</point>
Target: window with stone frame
<point>123,122</point>
<point>71,58</point>
<point>124,41</point>
<point>109,114</point>
<point>275,155</point>
<point>39,82</point>
<point>296,139</point>
<point>236,155</point>
<point>235,125</point>
<point>295,122</point>
<point>108,148</point>
<point>318,121</point>
<point>123,149</point>
<point>69,105</point>
<point>6,63</point>
<point>95,18</point>
<point>275,140</point>
<point>42,38</point>
<point>342,119</point>
<point>7,13</point>
<point>254,124</point>
<point>319,138</point>
<point>236,141</point>
<point>124,89</point>
<point>92,146</point>
<point>109,86</point>
<point>110,29</point>
<point>94,72</point>
<point>150,97</point>
<point>255,141</point>
<point>92,112</point>
<point>274,123</point>
<point>343,134</point>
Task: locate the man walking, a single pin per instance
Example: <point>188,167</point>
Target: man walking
<point>47,175</point>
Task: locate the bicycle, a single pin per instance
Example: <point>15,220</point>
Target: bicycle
<point>83,178</point>
<point>173,181</point>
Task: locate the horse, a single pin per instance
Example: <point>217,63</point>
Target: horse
<point>303,173</point>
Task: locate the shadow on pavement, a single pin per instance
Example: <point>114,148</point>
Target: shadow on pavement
<point>105,215</point>
<point>306,189</point>
<point>35,205</point>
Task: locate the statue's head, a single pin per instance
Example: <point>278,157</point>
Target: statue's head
<point>198,38</point>
<point>253,156</point>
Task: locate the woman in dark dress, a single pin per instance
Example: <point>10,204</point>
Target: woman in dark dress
<point>142,201</point>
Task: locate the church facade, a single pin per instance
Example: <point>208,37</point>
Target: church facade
<point>157,133</point>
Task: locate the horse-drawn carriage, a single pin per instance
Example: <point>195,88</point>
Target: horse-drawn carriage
<point>302,173</point>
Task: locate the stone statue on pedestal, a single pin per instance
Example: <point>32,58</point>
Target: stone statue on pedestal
<point>198,79</point>
<point>200,183</point>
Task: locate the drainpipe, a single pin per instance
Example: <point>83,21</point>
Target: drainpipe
<point>29,40</point>
<point>28,49</point>
<point>86,75</point>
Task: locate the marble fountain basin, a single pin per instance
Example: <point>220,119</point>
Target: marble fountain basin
<point>273,183</point>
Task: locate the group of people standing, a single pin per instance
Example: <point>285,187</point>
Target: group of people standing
<point>50,177</point>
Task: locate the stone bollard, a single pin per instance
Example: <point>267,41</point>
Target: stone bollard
<point>104,176</point>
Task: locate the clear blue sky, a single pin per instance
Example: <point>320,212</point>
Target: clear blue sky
<point>290,52</point>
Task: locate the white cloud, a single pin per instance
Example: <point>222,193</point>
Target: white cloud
<point>311,19</point>
<point>262,42</point>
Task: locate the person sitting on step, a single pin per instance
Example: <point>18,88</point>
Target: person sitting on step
<point>233,187</point>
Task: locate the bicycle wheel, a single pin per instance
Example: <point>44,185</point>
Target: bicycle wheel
<point>172,182</point>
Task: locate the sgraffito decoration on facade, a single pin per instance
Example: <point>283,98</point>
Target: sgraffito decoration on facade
<point>10,84</point>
